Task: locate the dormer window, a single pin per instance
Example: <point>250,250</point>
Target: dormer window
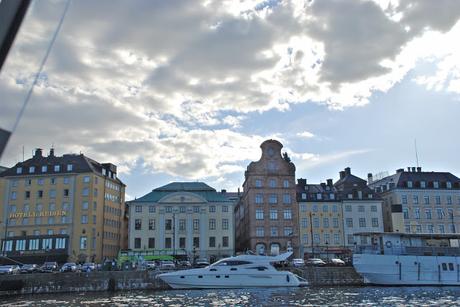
<point>57,168</point>
<point>32,169</point>
<point>331,196</point>
<point>104,172</point>
<point>319,196</point>
<point>304,195</point>
<point>69,167</point>
<point>422,184</point>
<point>44,169</point>
<point>370,196</point>
<point>436,184</point>
<point>409,184</point>
<point>19,170</point>
<point>350,196</point>
<point>449,185</point>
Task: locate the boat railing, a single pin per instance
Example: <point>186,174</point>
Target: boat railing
<point>409,250</point>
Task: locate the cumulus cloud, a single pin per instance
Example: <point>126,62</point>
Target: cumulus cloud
<point>172,82</point>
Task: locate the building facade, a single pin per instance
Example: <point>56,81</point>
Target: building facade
<point>419,202</point>
<point>62,208</point>
<point>180,218</point>
<point>266,216</point>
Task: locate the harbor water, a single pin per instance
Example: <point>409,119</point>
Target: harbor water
<point>327,296</point>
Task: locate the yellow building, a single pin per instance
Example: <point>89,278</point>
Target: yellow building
<point>62,208</point>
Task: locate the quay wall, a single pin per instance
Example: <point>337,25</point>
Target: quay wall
<point>143,280</point>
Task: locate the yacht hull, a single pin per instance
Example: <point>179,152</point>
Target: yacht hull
<point>408,270</point>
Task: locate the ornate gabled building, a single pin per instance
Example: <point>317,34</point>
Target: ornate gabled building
<point>62,208</point>
<point>266,216</point>
<point>183,218</point>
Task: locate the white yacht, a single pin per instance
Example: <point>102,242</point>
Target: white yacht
<point>235,272</point>
<point>408,259</point>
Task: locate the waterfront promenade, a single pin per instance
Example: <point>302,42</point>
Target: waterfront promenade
<point>143,280</point>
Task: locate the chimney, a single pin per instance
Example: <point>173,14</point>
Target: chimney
<point>51,152</point>
<point>419,169</point>
<point>399,170</point>
<point>323,185</point>
<point>38,153</point>
<point>413,169</point>
<point>301,182</point>
<point>348,171</point>
<point>223,191</point>
<point>342,174</point>
<point>329,182</point>
<point>369,178</point>
<point>408,169</point>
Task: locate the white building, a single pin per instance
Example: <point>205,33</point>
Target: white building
<point>183,217</point>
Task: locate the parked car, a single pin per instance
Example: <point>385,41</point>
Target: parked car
<point>337,262</point>
<point>297,262</point>
<point>167,265</point>
<point>29,268</point>
<point>69,267</point>
<point>9,269</point>
<point>48,267</point>
<point>201,262</point>
<point>315,262</point>
<point>184,264</point>
<point>150,265</point>
<point>88,267</point>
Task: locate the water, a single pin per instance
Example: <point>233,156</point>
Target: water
<point>339,296</point>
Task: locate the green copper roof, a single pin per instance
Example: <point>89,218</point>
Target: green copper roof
<point>198,188</point>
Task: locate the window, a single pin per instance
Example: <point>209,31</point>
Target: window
<point>212,224</point>
<point>315,208</point>
<point>94,219</point>
<point>286,198</point>
<point>449,185</point>
<point>287,214</point>
<point>428,214</point>
<point>137,242</point>
<point>225,241</point>
<point>316,222</point>
<point>349,222</point>
<point>331,196</point>
<point>451,228</point>
<point>325,208</point>
<point>25,221</point>
<point>360,208</point>
<point>415,199</point>
<point>430,228</point>
<point>440,213</point>
<point>347,208</point>
<point>409,184</point>
<point>422,184</point>
<point>182,242</point>
<point>334,208</point>
<point>182,224</point>
<point>326,222</point>
<point>417,213</point>
<point>12,209</point>
<point>13,195</point>
<point>151,242</point>
<point>138,208</point>
<point>38,220</point>
<point>436,184</point>
<point>19,170</point>
<point>212,241</point>
<point>151,224</point>
<point>57,168</point>
<point>319,196</point>
<point>40,181</point>
<point>304,195</point>
<point>258,183</point>
<point>33,244</point>
<point>303,207</point>
<point>259,214</point>
<point>404,199</point>
<point>26,208</point>
<point>32,169</point>
<point>66,192</point>
<point>273,214</point>
<point>84,219</point>
<point>363,240</point>
<point>196,242</point>
<point>85,192</point>
<point>335,222</point>
<point>285,183</point>
<point>350,196</point>
<point>375,222</point>
<point>362,222</point>
<point>182,209</point>
<point>69,167</point>
<point>441,228</point>
<point>51,220</point>
<point>168,209</point>
<point>85,205</point>
<point>212,208</point>
<point>438,200</point>
<point>406,213</point>
<point>196,224</point>
<point>304,222</point>
<point>20,245</point>
<point>259,199</point>
<point>28,182</point>
<point>225,224</point>
<point>407,228</point>
<point>137,224</point>
<point>288,231</point>
<point>272,183</point>
<point>66,180</point>
<point>449,200</point>
<point>426,200</point>
<point>86,179</point>
<point>196,209</point>
<point>373,208</point>
<point>60,243</point>
<point>316,238</point>
<point>274,231</point>
<point>273,199</point>
<point>327,238</point>
<point>260,232</point>
<point>83,242</point>
<point>151,209</point>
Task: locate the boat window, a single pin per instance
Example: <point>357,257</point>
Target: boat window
<point>259,268</point>
<point>217,276</point>
<point>451,266</point>
<point>226,276</point>
<point>444,266</point>
<point>182,277</point>
<point>232,262</point>
<point>233,269</point>
<point>213,269</point>
<point>200,276</point>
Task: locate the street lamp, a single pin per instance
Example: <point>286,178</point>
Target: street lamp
<point>5,236</point>
<point>327,250</point>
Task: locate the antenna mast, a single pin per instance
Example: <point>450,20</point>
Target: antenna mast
<point>416,153</point>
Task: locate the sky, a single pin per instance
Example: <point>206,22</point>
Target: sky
<point>188,90</point>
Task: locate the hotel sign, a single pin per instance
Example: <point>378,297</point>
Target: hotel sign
<point>37,214</point>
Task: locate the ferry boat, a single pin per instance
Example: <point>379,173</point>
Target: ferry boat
<point>408,259</point>
<point>242,271</point>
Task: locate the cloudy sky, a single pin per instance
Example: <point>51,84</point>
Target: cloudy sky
<point>187,90</point>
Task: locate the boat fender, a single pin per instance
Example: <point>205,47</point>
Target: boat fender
<point>287,278</point>
<point>388,244</point>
